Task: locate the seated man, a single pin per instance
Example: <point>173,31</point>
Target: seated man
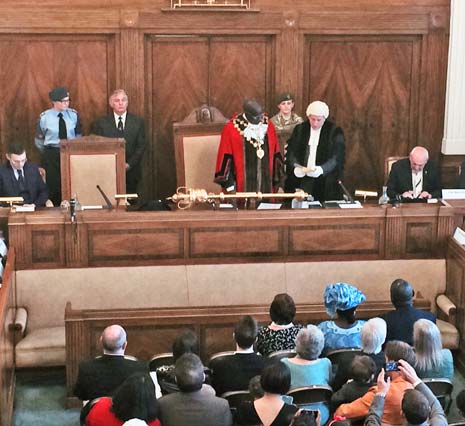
<point>419,405</point>
<point>234,372</point>
<point>193,404</point>
<point>18,178</point>
<point>101,376</point>
<point>358,409</point>
<point>415,177</point>
<point>400,321</point>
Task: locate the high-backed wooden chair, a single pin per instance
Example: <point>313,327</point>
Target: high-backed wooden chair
<point>196,141</point>
<point>388,162</point>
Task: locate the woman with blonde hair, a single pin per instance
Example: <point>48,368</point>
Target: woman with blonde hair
<point>432,361</point>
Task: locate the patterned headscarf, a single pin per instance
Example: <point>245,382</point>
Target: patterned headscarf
<point>341,296</point>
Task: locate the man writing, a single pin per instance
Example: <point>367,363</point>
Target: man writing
<point>414,177</point>
<point>19,178</point>
<point>123,124</point>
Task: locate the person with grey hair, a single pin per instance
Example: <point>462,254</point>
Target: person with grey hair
<point>372,337</point>
<point>306,368</point>
<point>102,375</point>
<point>432,360</point>
<point>315,155</point>
<point>193,404</point>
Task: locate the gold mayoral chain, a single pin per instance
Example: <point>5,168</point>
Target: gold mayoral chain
<point>256,140</point>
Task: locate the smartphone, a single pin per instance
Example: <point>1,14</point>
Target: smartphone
<point>391,366</point>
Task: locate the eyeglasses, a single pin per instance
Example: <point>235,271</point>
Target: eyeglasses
<point>64,101</point>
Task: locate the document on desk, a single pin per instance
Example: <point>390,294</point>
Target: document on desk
<point>354,205</point>
<point>459,236</point>
<point>269,206</point>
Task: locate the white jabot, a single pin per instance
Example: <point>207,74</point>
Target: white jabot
<point>313,144</point>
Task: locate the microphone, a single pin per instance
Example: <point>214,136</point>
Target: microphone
<point>107,200</point>
<point>345,191</point>
<point>72,209</point>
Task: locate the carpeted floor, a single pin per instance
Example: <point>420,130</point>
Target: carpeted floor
<point>40,399</point>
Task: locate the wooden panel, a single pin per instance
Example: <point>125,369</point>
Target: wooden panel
<point>47,246</point>
<point>236,242</point>
<point>367,80</point>
<point>82,63</point>
<point>7,363</point>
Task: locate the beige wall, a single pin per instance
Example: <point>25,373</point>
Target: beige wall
<point>46,292</point>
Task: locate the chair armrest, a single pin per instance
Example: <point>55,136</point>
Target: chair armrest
<point>20,323</point>
<point>447,307</point>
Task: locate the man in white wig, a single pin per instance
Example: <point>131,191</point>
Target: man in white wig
<point>315,155</point>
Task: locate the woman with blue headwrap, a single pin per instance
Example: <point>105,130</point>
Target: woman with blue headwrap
<point>341,301</point>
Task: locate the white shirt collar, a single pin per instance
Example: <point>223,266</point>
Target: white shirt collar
<point>123,117</point>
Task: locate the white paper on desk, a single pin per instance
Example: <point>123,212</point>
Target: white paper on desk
<point>453,194</point>
<point>3,248</point>
<point>459,236</point>
<point>269,206</point>
<point>432,201</point>
<point>91,207</point>
<point>355,205</point>
<point>25,208</point>
<point>226,206</point>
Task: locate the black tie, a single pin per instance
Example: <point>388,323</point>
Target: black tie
<point>20,180</point>
<point>120,124</point>
<point>62,133</point>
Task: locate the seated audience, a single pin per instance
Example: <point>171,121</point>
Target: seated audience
<point>135,398</point>
<point>432,360</point>
<point>358,409</point>
<point>281,333</point>
<point>307,369</point>
<point>255,387</point>
<point>234,372</point>
<point>270,409</point>
<point>400,321</point>
<point>305,418</point>
<point>341,300</point>
<point>20,178</point>
<point>460,401</point>
<point>184,343</point>
<point>372,335</point>
<point>362,374</point>
<point>101,376</point>
<point>193,404</point>
<point>419,405</point>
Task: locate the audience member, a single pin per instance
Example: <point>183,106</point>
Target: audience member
<point>414,177</point>
<point>135,398</point>
<point>419,405</point>
<point>315,155</point>
<point>102,375</point>
<point>269,409</point>
<point>185,343</point>
<point>255,387</point>
<point>341,300</point>
<point>123,124</point>
<point>20,178</point>
<point>362,374</point>
<point>305,418</point>
<point>234,372</point>
<point>248,155</point>
<point>281,333</point>
<point>307,369</point>
<point>400,321</point>
<point>460,401</point>
<point>55,124</point>
<point>358,409</point>
<point>372,336</point>
<point>432,360</point>
<point>193,404</point>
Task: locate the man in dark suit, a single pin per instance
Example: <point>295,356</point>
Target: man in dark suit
<point>234,372</point>
<point>415,177</point>
<point>101,376</point>
<point>18,178</point>
<point>193,404</point>
<point>400,321</point>
<point>123,124</point>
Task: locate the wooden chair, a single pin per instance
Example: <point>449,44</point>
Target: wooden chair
<point>286,353</point>
<point>442,389</point>
<point>219,356</point>
<point>306,395</point>
<point>165,358</point>
<point>446,322</point>
<point>336,354</point>
<point>388,162</point>
<point>235,398</point>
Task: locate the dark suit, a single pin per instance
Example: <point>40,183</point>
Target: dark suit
<point>400,322</point>
<point>35,191</point>
<point>234,372</point>
<point>102,375</point>
<point>134,135</point>
<point>330,156</point>
<point>400,179</point>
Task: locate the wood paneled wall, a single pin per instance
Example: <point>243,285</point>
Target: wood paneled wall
<point>380,65</point>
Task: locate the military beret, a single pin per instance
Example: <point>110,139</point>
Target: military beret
<point>58,93</point>
<point>286,96</point>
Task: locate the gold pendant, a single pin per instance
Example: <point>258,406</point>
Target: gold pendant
<point>260,153</point>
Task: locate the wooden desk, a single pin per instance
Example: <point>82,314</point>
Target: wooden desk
<point>47,239</point>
